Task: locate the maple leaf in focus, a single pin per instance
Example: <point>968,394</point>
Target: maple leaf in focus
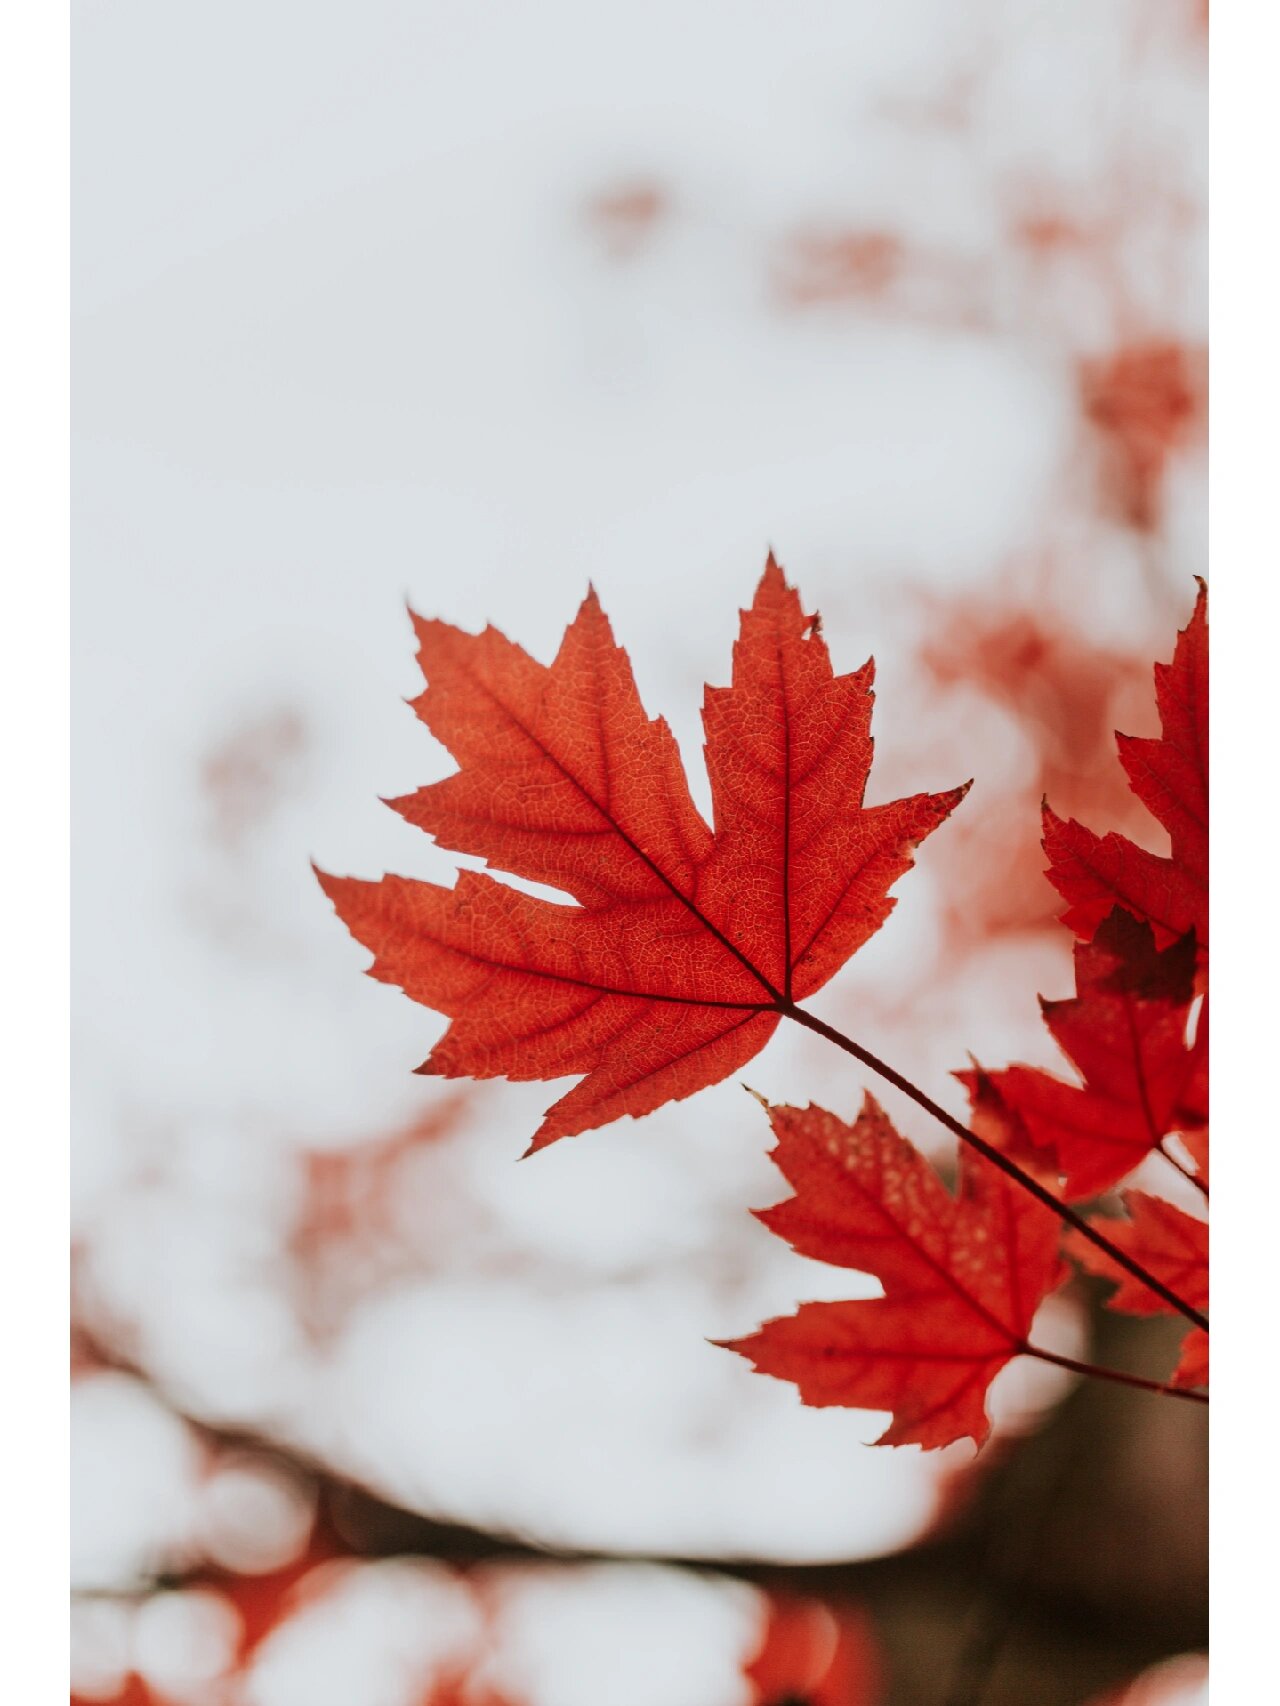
<point>1170,775</point>
<point>1173,1246</point>
<point>963,1276</point>
<point>687,944</point>
<point>1126,1032</point>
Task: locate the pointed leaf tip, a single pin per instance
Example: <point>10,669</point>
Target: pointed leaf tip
<point>772,577</point>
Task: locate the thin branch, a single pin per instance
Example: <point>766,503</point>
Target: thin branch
<point>998,1159</point>
<point>1095,1372</point>
<point>1188,1175</point>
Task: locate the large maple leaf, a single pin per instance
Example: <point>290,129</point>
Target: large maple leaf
<point>1172,1245</point>
<point>963,1276</point>
<point>1126,1032</point>
<point>1170,775</point>
<point>686,944</point>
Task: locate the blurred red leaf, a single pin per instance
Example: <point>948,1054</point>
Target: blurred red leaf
<point>348,1190</point>
<point>840,266</point>
<point>809,1652</point>
<point>1145,401</point>
<point>246,774</point>
<point>133,1691</point>
<point>626,216</point>
<point>962,1276</point>
<point>686,946</point>
<point>1061,688</point>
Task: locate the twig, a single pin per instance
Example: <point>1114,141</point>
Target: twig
<point>1187,1174</point>
<point>1098,1373</point>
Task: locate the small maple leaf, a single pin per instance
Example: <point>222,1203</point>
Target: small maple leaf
<point>686,945</point>
<point>1173,1246</point>
<point>1126,1032</point>
<point>963,1276</point>
<point>1170,775</point>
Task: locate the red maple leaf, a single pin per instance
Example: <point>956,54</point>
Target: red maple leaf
<point>686,945</point>
<point>1173,1246</point>
<point>1170,775</point>
<point>1126,1032</point>
<point>963,1276</point>
<point>994,1116</point>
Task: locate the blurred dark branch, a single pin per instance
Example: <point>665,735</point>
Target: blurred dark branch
<point>975,1615</point>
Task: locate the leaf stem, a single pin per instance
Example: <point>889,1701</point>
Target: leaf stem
<point>1188,1175</point>
<point>998,1159</point>
<point>1098,1373</point>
